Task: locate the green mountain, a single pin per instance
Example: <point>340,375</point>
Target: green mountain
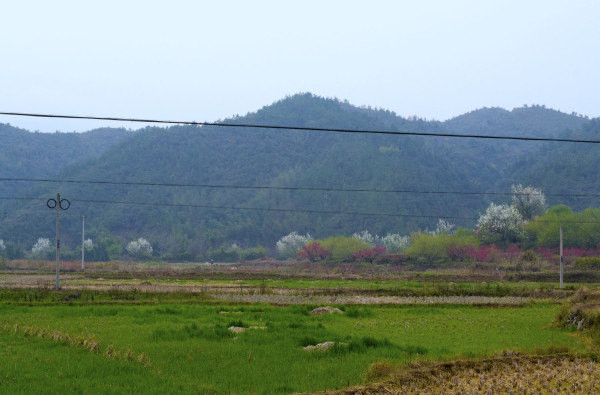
<point>280,158</point>
<point>39,155</point>
<point>491,161</point>
<point>570,168</point>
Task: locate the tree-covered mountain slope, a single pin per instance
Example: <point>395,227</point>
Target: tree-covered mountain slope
<point>26,154</point>
<point>493,159</point>
<point>565,168</point>
<point>282,158</point>
<point>239,156</point>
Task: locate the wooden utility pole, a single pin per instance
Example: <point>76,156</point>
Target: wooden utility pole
<point>561,257</point>
<point>83,242</point>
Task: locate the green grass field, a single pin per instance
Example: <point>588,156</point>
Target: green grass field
<point>157,345</point>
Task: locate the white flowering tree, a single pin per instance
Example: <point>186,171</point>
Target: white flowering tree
<point>288,246</point>
<point>367,237</point>
<point>395,243</point>
<point>443,227</point>
<point>139,248</point>
<point>501,224</point>
<point>88,244</point>
<point>41,246</point>
<point>529,201</point>
<point>2,246</point>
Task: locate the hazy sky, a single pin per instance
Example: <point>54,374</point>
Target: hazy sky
<point>196,60</point>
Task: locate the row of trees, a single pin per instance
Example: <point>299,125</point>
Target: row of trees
<point>43,248</point>
<point>503,231</point>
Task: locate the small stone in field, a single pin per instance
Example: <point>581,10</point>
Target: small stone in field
<point>236,329</point>
<point>319,347</point>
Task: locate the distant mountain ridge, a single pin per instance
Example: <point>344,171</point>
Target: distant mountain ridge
<point>27,154</point>
<point>238,156</point>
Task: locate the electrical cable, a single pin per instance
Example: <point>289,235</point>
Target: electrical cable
<point>280,209</point>
<point>267,187</point>
<point>302,211</point>
<point>301,128</point>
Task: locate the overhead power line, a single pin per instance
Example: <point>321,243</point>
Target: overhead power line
<point>294,188</point>
<point>20,198</point>
<point>285,210</point>
<point>300,128</point>
<point>304,211</point>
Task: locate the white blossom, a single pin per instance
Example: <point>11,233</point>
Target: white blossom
<point>529,201</point>
<point>395,243</point>
<point>2,246</point>
<point>41,245</point>
<point>366,237</point>
<point>288,246</point>
<point>139,248</point>
<point>443,227</point>
<point>500,223</point>
<point>88,244</point>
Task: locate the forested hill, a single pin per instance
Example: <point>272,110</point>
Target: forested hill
<point>251,157</point>
<point>566,168</point>
<point>491,161</point>
<point>26,154</point>
<point>523,121</point>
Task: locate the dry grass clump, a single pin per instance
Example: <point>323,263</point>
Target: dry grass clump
<point>502,375</point>
<point>378,370</point>
<point>85,342</point>
<point>326,310</point>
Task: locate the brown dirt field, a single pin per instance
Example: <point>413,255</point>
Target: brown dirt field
<point>249,294</point>
<point>273,269</point>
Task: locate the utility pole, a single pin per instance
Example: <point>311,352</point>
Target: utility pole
<point>58,204</point>
<point>58,241</point>
<point>83,242</point>
<point>561,257</point>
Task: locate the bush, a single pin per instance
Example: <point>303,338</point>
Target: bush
<point>546,253</point>
<point>395,243</point>
<point>41,247</point>
<point>249,254</point>
<point>139,248</point>
<point>459,253</point>
<point>342,248</point>
<point>512,253</point>
<point>289,246</point>
<point>369,255</point>
<point>529,256</point>
<point>313,252</point>
<point>223,254</point>
<point>391,259</point>
<point>431,247</point>
<point>487,253</point>
<point>588,263</point>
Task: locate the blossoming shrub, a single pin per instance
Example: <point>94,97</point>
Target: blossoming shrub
<point>313,252</point>
<point>41,246</point>
<point>289,245</point>
<point>139,248</point>
<point>369,255</point>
